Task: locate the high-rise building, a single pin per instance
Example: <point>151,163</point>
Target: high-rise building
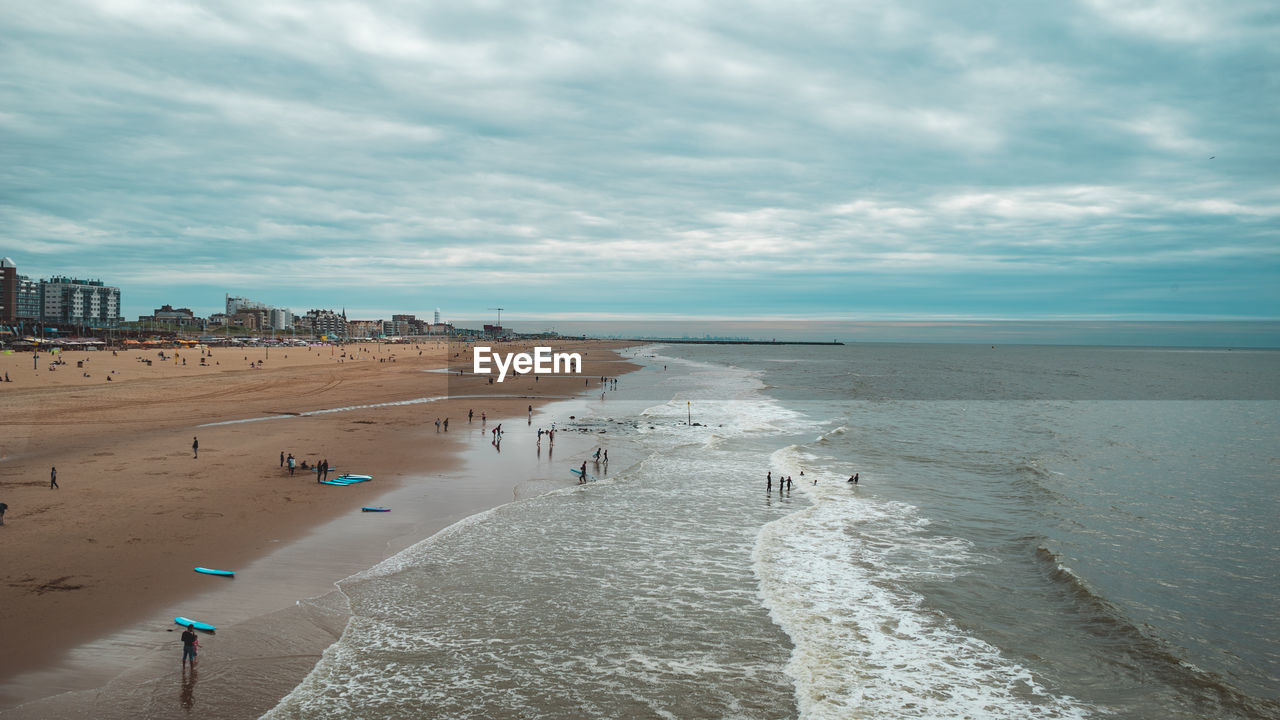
<point>267,317</point>
<point>437,320</point>
<point>239,304</point>
<point>8,290</point>
<point>70,301</point>
<point>281,319</point>
<point>21,298</point>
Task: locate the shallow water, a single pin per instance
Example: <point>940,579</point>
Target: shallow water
<point>1020,546</point>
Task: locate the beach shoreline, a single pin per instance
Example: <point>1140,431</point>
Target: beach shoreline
<point>171,504</point>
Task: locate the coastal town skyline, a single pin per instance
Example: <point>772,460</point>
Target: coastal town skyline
<point>1081,161</point>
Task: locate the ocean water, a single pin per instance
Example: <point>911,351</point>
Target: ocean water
<point>1037,532</point>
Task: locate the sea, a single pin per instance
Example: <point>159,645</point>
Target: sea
<point>1036,532</point>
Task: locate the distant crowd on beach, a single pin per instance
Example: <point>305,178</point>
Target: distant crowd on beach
<point>287,460</point>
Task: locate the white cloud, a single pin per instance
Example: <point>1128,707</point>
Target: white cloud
<point>707,145</point>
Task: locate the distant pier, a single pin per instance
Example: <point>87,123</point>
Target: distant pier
<point>735,342</point>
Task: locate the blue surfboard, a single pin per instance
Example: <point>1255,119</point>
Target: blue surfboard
<point>196,623</point>
<point>578,473</point>
<point>211,571</point>
<point>375,509</point>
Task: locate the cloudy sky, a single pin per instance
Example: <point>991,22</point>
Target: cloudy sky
<point>740,159</point>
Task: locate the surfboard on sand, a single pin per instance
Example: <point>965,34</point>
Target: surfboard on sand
<point>355,478</point>
<point>578,473</point>
<point>375,509</point>
<point>211,571</point>
<point>198,625</point>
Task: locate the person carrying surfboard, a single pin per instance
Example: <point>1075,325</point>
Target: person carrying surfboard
<point>189,644</point>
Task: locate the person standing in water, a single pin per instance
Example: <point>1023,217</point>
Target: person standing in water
<point>189,645</point>
<point>768,481</point>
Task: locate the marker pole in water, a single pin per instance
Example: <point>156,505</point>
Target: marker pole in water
<point>689,408</point>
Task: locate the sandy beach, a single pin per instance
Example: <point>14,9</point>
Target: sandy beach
<point>136,508</point>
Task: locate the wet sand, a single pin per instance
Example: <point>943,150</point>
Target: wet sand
<point>113,547</point>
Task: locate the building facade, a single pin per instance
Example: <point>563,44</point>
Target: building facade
<point>323,322</point>
<point>71,301</point>
<point>267,317</point>
<point>58,300</point>
<point>170,315</point>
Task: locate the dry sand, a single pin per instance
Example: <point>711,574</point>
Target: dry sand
<point>136,510</point>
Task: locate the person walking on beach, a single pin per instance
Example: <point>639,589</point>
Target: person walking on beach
<point>437,424</point>
<point>292,464</point>
<point>53,478</point>
<point>3,507</point>
<point>325,464</point>
<point>189,643</point>
<point>446,424</point>
<point>470,414</point>
<point>195,448</point>
<point>282,459</point>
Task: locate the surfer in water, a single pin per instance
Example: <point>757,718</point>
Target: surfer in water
<point>583,478</point>
<point>189,641</point>
<point>853,479</point>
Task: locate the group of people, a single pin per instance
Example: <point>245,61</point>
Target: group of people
<point>784,483</point>
<point>321,469</point>
<point>446,424</point>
